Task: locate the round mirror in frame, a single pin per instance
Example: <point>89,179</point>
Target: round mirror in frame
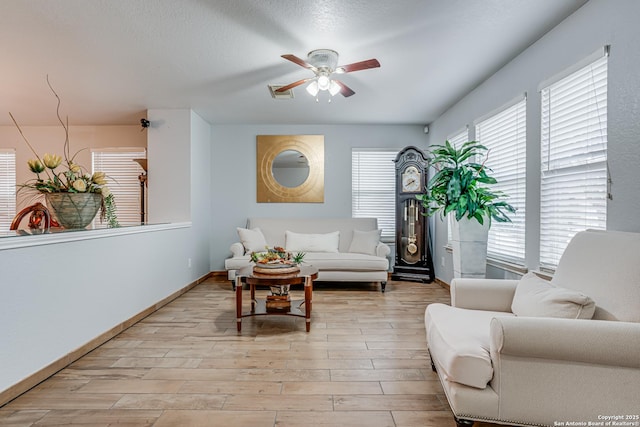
<point>271,149</point>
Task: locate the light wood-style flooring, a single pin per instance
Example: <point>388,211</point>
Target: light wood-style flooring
<point>364,363</point>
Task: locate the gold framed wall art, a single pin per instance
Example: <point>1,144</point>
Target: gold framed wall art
<point>290,168</point>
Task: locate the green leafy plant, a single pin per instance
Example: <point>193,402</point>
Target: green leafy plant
<point>298,257</point>
<point>461,185</point>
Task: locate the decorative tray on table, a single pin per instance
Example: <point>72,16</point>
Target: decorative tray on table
<point>276,261</point>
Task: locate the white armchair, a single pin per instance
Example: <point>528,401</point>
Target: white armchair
<point>498,366</point>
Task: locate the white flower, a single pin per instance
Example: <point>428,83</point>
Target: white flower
<point>80,185</point>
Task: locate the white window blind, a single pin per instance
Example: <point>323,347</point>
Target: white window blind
<point>7,187</point>
<point>373,188</point>
<point>505,136</point>
<point>457,139</point>
<point>122,179</point>
<point>574,158</point>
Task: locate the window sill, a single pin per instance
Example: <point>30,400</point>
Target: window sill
<point>494,262</point>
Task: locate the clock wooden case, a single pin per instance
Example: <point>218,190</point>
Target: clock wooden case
<point>413,260</point>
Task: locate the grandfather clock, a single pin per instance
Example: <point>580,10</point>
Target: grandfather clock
<point>413,260</point>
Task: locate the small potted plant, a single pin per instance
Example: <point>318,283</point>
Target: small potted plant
<point>460,188</point>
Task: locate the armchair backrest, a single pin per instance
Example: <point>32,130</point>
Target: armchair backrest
<point>605,265</point>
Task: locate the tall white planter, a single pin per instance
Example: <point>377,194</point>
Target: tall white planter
<point>469,242</point>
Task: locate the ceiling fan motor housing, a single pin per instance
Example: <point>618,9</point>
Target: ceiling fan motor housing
<point>326,59</point>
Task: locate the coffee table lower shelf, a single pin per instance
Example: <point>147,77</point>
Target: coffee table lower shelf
<point>297,308</point>
<point>259,308</point>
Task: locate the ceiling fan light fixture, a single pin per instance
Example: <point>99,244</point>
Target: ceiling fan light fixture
<point>334,88</point>
<point>323,63</point>
<point>313,88</point>
<point>324,82</point>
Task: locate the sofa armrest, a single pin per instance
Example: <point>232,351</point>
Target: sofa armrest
<point>596,342</point>
<point>483,294</point>
<point>383,250</point>
<point>237,249</point>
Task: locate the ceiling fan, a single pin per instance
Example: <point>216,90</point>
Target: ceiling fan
<point>324,63</point>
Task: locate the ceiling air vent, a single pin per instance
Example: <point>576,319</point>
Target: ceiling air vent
<point>287,94</point>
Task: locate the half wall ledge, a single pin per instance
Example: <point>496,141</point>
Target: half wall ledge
<point>14,242</point>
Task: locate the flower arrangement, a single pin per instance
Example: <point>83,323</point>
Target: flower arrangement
<point>277,256</point>
<point>55,174</point>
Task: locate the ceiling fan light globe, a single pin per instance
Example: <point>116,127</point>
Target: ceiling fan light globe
<point>334,88</point>
<point>324,82</point>
<point>313,88</point>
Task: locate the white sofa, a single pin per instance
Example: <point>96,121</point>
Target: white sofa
<point>501,358</point>
<point>358,257</point>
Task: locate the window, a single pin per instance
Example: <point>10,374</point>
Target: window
<point>505,136</point>
<point>122,177</point>
<point>373,186</point>
<point>574,158</point>
<point>459,138</point>
<point>7,188</point>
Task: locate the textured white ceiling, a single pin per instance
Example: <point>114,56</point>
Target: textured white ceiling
<point>110,60</point>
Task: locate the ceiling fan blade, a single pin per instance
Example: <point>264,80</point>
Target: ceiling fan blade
<point>345,90</point>
<point>300,62</point>
<point>357,66</point>
<point>292,85</point>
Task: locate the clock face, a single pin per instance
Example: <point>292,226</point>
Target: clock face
<point>411,180</point>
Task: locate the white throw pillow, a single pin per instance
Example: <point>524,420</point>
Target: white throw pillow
<point>253,240</point>
<point>298,242</point>
<point>365,242</point>
<point>536,297</point>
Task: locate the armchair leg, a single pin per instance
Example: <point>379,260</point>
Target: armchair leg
<point>233,285</point>
<point>382,286</point>
<point>433,366</point>
<point>463,423</point>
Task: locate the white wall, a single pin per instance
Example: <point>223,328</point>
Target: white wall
<point>233,167</point>
<point>169,164</point>
<point>57,297</point>
<point>596,24</point>
<point>200,196</point>
<point>179,185</point>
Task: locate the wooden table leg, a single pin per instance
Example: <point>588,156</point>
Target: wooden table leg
<point>308,291</point>
<point>239,303</point>
<point>253,297</point>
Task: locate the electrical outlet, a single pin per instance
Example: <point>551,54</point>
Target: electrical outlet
<point>189,263</point>
<point>442,262</point>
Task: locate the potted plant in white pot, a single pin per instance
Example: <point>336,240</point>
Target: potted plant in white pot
<point>460,189</point>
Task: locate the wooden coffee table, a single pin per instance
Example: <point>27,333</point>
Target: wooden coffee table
<point>305,276</point>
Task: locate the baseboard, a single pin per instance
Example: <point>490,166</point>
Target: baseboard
<point>443,284</point>
<point>218,274</point>
<point>36,378</point>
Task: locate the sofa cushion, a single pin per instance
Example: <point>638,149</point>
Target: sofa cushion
<point>252,240</point>
<point>365,242</point>
<point>300,242</point>
<point>346,261</point>
<point>458,341</point>
<point>536,297</point>
<point>325,261</point>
